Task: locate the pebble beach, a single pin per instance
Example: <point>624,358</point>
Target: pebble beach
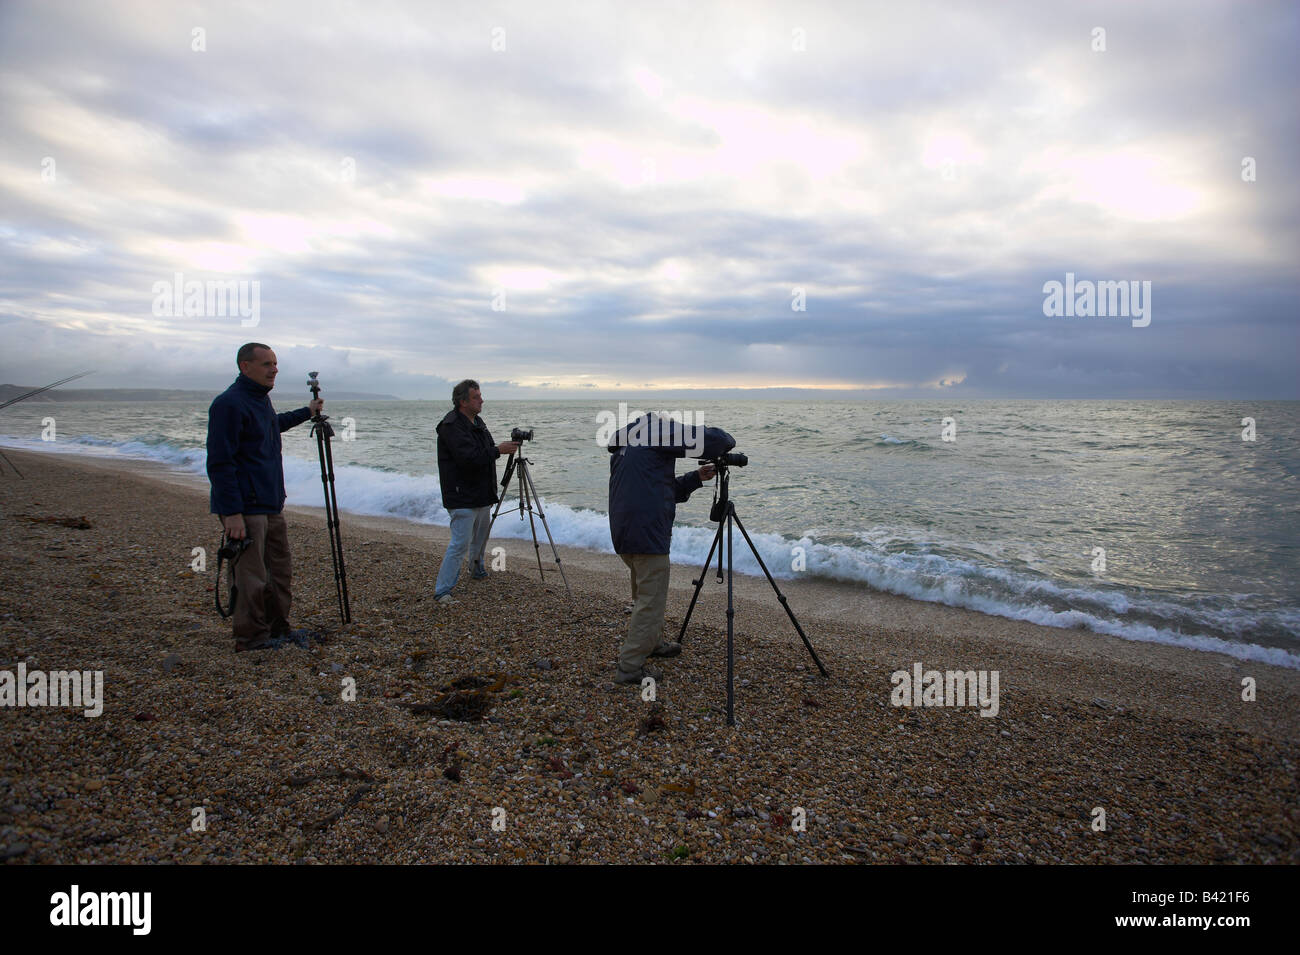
<point>491,731</point>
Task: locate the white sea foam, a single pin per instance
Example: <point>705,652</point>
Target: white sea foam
<point>930,577</point>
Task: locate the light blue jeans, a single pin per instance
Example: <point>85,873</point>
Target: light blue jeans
<point>469,531</point>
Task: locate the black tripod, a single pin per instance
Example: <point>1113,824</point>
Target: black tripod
<point>724,512</point>
<point>321,428</point>
<point>518,464</point>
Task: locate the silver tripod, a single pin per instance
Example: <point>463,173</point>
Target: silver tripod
<point>528,500</point>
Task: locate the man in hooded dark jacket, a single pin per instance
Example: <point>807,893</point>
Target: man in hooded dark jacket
<point>467,473</point>
<point>643,499</point>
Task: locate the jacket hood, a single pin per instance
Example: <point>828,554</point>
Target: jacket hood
<point>672,436</point>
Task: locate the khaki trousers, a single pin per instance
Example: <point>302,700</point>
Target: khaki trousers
<point>649,598</point>
<point>263,574</point>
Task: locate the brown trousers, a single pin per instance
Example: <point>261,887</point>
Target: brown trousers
<point>649,599</point>
<point>262,575</point>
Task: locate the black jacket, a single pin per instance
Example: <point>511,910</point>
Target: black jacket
<point>467,462</point>
<point>643,493</point>
<point>244,462</point>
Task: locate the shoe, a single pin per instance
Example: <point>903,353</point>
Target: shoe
<point>302,638</point>
<point>636,676</point>
<point>668,648</point>
<point>478,575</point>
<point>446,600</point>
<point>267,643</point>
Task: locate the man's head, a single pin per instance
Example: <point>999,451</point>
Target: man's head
<point>257,363</point>
<point>467,399</point>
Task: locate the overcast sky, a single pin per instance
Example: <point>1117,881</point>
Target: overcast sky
<point>565,198</point>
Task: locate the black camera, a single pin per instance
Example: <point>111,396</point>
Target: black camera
<point>518,435</point>
<point>732,459</point>
<point>231,549</point>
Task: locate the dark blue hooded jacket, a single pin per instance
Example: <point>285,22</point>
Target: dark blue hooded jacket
<point>467,468</point>
<point>643,492</point>
<point>244,463</point>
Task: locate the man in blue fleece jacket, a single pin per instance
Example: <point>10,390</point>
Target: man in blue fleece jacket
<point>247,474</point>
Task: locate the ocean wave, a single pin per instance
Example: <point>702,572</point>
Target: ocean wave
<point>902,444</point>
<point>1219,623</point>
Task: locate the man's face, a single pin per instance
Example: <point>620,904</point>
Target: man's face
<point>262,368</point>
<point>474,403</point>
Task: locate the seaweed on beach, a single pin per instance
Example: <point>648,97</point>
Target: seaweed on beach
<point>451,761</point>
<point>654,720</point>
<point>337,772</point>
<point>326,821</point>
<point>76,523</point>
<point>464,699</point>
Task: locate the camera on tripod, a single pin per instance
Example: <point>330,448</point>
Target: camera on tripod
<point>732,459</point>
<point>517,467</point>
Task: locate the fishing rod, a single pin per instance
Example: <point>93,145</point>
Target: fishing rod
<point>37,391</point>
<point>33,393</point>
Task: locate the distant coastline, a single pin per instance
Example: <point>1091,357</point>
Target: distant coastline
<point>150,394</point>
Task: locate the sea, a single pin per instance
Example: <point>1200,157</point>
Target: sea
<point>1170,522</point>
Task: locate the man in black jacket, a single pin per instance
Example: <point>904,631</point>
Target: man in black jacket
<point>643,499</point>
<point>467,471</point>
<point>247,474</point>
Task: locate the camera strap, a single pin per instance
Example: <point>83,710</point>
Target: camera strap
<point>216,588</point>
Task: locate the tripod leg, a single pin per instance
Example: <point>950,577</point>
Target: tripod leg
<point>502,499</point>
<point>699,583</point>
<point>779,596</point>
<point>731,619</point>
<point>329,513</point>
<point>345,606</point>
<point>547,527</point>
<point>526,489</point>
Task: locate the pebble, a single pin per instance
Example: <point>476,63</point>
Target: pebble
<point>273,765</point>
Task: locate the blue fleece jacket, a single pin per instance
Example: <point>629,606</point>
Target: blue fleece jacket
<point>244,457</point>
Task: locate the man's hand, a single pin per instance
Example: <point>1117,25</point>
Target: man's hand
<point>234,525</point>
<point>315,405</point>
<point>706,473</point>
<point>508,447</point>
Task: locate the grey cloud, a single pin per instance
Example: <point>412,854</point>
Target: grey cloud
<point>923,280</point>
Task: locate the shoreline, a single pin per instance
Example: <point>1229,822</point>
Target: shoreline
<point>850,597</point>
<point>823,599</point>
<point>1158,735</point>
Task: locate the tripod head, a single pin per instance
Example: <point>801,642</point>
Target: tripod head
<point>721,494</point>
<point>320,422</point>
<point>722,466</point>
